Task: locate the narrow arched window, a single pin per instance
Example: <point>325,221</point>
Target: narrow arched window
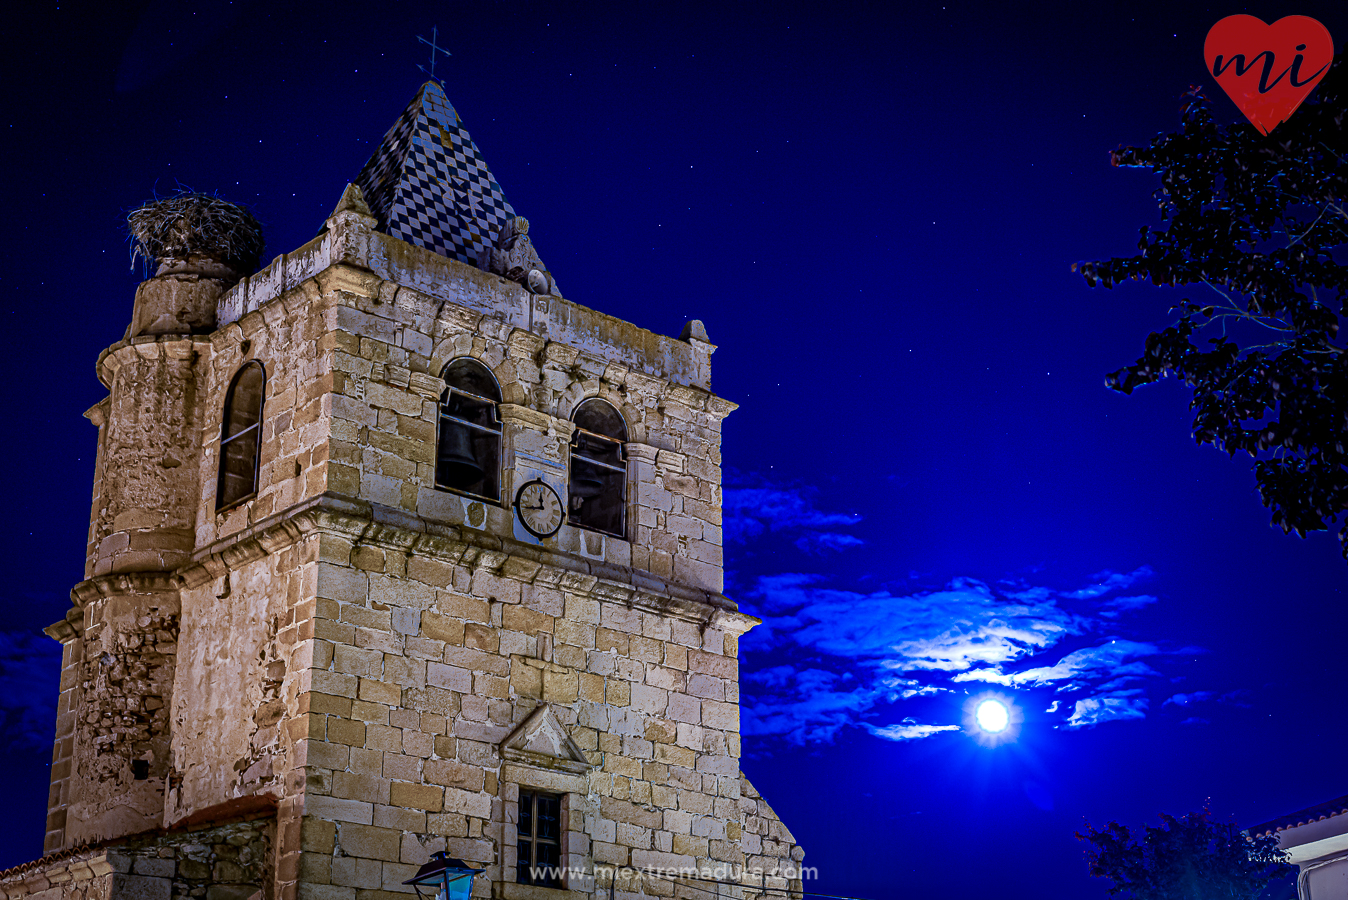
<point>468,451</point>
<point>598,484</point>
<point>241,436</point>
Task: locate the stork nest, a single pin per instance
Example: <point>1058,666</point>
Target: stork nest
<point>192,224</point>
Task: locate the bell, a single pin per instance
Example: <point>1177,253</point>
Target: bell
<point>585,483</point>
<point>455,464</point>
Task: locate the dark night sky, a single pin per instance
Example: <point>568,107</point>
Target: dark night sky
<point>874,209</point>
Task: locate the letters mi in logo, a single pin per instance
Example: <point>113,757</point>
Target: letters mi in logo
<point>1268,69</point>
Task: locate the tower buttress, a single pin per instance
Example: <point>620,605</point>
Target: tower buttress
<point>111,766</point>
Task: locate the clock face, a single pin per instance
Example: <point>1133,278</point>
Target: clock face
<point>539,509</point>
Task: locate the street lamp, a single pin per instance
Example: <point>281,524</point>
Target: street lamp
<point>451,879</point>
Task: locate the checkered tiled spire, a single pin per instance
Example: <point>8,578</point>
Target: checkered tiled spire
<point>428,185</point>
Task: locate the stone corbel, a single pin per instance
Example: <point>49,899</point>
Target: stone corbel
<point>670,461</point>
<point>616,374</point>
<point>559,354</point>
<point>348,279</point>
<point>98,413</point>
<point>528,417</point>
<point>524,344</point>
<point>122,583</point>
<point>429,386</point>
<point>69,628</point>
<point>423,385</point>
<point>397,376</point>
<point>720,407</point>
<point>733,622</point>
<point>645,384</point>
<point>641,453</point>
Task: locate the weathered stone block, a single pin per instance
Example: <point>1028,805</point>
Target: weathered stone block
<point>368,841</point>
<point>449,677</point>
<point>428,797</point>
<point>346,731</point>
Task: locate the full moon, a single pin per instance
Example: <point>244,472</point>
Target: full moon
<point>992,716</point>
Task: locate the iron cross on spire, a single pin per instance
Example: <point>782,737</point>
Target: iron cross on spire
<point>434,50</point>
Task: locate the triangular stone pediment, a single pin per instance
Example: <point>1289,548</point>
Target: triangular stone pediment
<point>542,740</point>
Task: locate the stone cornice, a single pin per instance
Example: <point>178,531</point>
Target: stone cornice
<point>371,524</point>
<point>148,346</point>
<point>697,398</point>
<point>122,583</point>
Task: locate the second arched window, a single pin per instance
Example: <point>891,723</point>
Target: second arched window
<point>598,483</point>
<point>241,436</point>
<point>468,450</point>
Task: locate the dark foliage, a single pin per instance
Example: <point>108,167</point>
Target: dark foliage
<point>1186,858</point>
<point>1259,224</point>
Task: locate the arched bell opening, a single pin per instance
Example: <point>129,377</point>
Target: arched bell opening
<point>598,476</point>
<point>468,447</point>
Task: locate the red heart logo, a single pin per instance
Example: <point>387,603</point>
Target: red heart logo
<point>1268,69</point>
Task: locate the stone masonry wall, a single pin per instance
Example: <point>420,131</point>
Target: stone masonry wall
<point>425,662</point>
<point>348,239</point>
<point>143,517</point>
<point>392,342</point>
<point>242,666</point>
<point>224,862</point>
<point>772,856</point>
<point>69,632</point>
<point>120,730</point>
<point>292,338</point>
<point>97,416</point>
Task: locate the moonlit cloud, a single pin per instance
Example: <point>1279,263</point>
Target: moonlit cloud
<point>1107,582</point>
<point>1094,711</point>
<point>30,667</point>
<point>1115,605</point>
<point>908,730</point>
<point>1240,698</point>
<point>839,655</point>
<point>806,705</point>
<point>1116,660</point>
<point>949,630</point>
<point>753,506</point>
<point>823,542</point>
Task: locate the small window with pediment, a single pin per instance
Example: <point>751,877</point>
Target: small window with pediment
<point>241,436</point>
<point>598,483</point>
<point>468,448</point>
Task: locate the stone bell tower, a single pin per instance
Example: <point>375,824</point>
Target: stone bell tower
<point>112,752</point>
<point>395,550</point>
